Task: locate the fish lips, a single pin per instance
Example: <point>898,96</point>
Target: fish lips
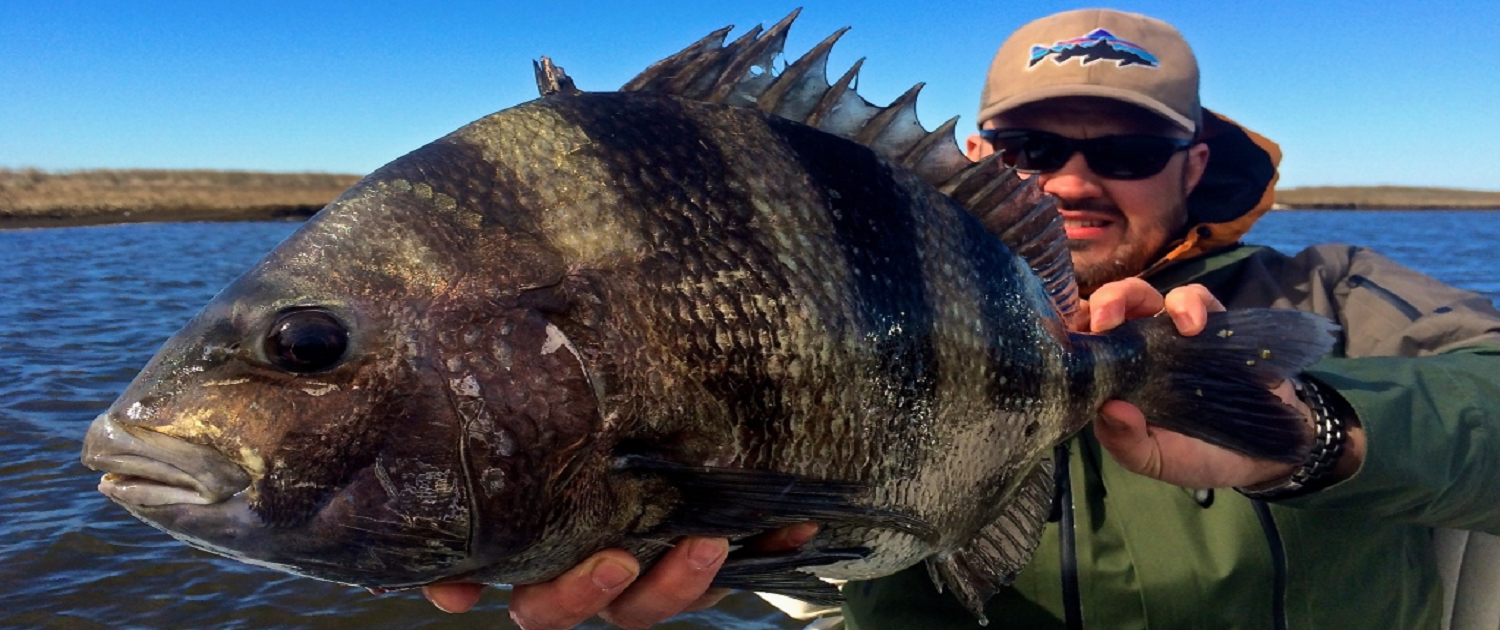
<point>199,496</point>
<point>146,468</point>
<point>188,490</point>
<point>231,529</point>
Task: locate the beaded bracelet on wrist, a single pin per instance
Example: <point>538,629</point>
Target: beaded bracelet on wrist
<point>1315,472</point>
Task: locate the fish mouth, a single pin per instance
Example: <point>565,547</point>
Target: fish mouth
<point>199,496</point>
<point>145,468</point>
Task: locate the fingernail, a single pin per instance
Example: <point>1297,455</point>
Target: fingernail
<point>1186,323</point>
<point>516,619</point>
<point>1109,318</point>
<point>436,603</point>
<point>1107,423</point>
<point>801,533</point>
<point>706,553</point>
<point>610,575</point>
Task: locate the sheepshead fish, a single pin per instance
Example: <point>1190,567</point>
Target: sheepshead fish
<point>720,300</point>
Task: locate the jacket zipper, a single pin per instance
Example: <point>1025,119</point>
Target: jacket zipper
<point>1067,543</point>
<point>1278,563</point>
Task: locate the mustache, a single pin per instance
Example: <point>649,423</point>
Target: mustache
<point>1092,204</point>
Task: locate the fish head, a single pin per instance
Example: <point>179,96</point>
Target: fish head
<point>383,401</point>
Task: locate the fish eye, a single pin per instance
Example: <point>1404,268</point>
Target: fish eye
<point>305,341</point>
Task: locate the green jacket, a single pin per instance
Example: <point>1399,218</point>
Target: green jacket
<point>1418,361</point>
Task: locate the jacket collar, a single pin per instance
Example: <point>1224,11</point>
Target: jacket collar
<point>1237,188</point>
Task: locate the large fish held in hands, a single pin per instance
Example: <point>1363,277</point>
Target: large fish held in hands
<point>718,301</point>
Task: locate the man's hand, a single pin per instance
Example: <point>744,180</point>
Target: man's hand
<point>610,584</point>
<point>1158,453</point>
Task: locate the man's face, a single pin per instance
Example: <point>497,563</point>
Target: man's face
<point>1116,227</point>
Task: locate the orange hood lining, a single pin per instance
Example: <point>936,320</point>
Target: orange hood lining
<point>1245,175</point>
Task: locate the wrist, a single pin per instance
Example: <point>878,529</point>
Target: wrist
<point>1326,463</point>
<point>1273,476</point>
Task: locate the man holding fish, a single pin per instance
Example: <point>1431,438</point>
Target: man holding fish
<point>1102,108</point>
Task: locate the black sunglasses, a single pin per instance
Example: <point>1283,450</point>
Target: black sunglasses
<point>1114,157</point>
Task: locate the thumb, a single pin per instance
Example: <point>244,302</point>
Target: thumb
<point>453,597</point>
<point>1121,430</point>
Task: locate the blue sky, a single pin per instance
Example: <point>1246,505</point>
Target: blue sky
<point>1357,93</point>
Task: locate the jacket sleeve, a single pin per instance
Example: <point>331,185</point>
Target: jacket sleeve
<point>1420,367</point>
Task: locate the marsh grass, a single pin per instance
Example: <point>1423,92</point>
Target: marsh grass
<point>1386,197</point>
<point>32,197</point>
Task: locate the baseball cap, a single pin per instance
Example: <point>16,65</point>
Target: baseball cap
<point>1096,52</point>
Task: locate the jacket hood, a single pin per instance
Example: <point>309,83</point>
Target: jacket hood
<point>1237,188</point>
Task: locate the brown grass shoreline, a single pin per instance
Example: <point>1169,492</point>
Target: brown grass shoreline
<point>35,198</point>
<point>1386,198</point>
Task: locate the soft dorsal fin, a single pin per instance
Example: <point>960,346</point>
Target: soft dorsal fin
<point>743,74</point>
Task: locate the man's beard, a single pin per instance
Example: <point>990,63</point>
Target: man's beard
<point>1125,263</point>
<point>1129,259</point>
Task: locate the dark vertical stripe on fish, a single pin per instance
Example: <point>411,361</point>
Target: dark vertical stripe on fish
<point>876,232</point>
<point>1011,328</point>
<point>704,228</point>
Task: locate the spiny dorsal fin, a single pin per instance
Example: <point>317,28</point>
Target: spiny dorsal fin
<point>743,74</point>
<point>551,79</point>
<point>656,77</point>
<point>794,98</point>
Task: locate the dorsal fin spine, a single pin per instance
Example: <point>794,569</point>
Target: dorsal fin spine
<point>919,152</point>
<point>658,72</point>
<point>761,52</point>
<point>826,106</point>
<point>970,179</point>
<point>884,129</point>
<point>793,91</point>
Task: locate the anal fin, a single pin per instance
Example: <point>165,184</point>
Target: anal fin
<point>738,502</point>
<point>999,551</point>
<point>782,573</point>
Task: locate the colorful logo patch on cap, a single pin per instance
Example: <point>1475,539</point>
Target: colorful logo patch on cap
<point>1096,46</point>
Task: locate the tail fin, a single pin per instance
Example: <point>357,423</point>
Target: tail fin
<point>1215,386</point>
